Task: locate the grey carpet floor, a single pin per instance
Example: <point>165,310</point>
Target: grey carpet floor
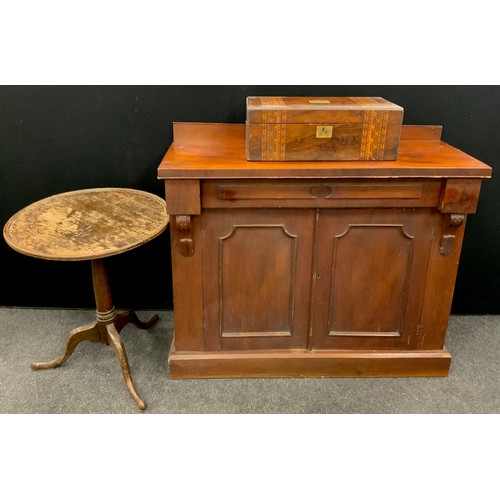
<point>90,381</point>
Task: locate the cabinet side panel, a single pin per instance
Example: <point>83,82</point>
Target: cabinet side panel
<point>439,288</point>
<point>188,290</point>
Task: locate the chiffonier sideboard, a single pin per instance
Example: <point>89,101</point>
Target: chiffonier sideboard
<point>319,269</point>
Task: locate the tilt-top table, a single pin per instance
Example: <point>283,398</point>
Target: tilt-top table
<point>91,224</point>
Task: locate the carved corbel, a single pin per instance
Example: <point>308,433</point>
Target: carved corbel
<point>451,224</point>
<point>185,228</point>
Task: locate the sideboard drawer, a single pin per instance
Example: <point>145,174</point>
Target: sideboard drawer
<point>327,193</point>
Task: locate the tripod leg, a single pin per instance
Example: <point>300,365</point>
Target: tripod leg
<point>124,318</point>
<point>117,344</point>
<point>86,332</point>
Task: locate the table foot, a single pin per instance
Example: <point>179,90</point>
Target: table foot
<point>86,332</point>
<point>124,318</point>
<point>117,344</point>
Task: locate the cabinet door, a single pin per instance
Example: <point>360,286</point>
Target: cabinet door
<point>257,267</point>
<point>370,273</point>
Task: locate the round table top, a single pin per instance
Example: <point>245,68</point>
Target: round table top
<point>86,224</point>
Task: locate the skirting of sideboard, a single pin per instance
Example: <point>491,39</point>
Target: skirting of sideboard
<point>302,363</point>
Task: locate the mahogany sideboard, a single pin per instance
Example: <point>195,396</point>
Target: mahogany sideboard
<point>314,269</point>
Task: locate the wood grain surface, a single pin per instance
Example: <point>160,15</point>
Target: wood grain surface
<point>86,224</point>
<point>300,363</point>
<point>321,269</point>
<point>357,128</point>
<point>208,150</point>
<point>256,278</point>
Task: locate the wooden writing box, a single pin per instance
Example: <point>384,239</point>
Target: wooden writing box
<point>322,128</point>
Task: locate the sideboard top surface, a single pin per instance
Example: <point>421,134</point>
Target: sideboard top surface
<point>218,151</point>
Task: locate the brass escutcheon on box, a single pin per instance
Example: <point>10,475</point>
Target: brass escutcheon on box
<point>324,131</point>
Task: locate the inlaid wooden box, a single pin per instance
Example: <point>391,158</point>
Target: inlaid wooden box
<point>322,128</point>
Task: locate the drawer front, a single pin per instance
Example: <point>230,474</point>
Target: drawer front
<point>326,194</point>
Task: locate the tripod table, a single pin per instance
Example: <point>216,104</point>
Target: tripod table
<point>91,224</point>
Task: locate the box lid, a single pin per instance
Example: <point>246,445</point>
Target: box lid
<point>314,109</point>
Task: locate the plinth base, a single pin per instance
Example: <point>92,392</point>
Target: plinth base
<point>302,363</point>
